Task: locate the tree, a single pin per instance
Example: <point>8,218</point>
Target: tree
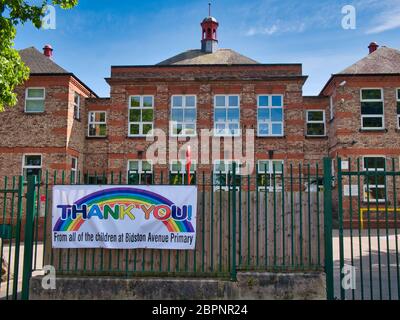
<point>13,71</point>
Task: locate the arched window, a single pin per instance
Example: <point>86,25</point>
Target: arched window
<point>209,32</point>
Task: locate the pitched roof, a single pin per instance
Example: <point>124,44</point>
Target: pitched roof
<point>198,57</point>
<point>383,61</point>
<point>38,63</point>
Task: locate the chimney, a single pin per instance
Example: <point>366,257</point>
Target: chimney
<point>373,46</point>
<point>48,51</point>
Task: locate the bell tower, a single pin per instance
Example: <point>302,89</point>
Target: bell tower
<point>209,27</point>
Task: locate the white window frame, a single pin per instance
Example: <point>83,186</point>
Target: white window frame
<point>77,116</point>
<point>140,169</point>
<point>35,99</point>
<point>74,170</point>
<point>141,108</point>
<point>216,173</point>
<point>96,123</point>
<point>226,122</point>
<point>270,122</point>
<point>31,166</point>
<point>183,123</point>
<point>270,173</point>
<point>323,121</point>
<point>398,103</point>
<point>183,171</point>
<point>371,115</point>
<point>379,186</point>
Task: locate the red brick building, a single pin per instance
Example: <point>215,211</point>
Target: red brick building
<point>66,126</point>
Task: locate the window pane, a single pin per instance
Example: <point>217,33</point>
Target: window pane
<point>278,166</point>
<point>134,115</point>
<point>315,129</point>
<point>372,122</point>
<point>374,162</point>
<point>190,101</point>
<point>263,101</point>
<point>134,129</point>
<point>147,101</point>
<point>177,101</point>
<point>315,116</point>
<point>33,160</point>
<point>373,194</point>
<point>176,167</point>
<point>276,101</point>
<point>34,105</point>
<point>133,178</point>
<point>146,166</point>
<point>135,101</point>
<point>133,165</point>
<point>276,114</point>
<point>101,116</point>
<point>398,108</point>
<point>371,108</point>
<point>176,179</point>
<point>374,94</point>
<point>263,114</point>
<point>233,101</point>
<point>190,115</point>
<point>220,114</point>
<point>147,115</point>
<point>31,172</point>
<point>35,93</point>
<point>233,115</point>
<point>220,128</point>
<point>233,128</point>
<point>263,129</point>
<point>177,115</point>
<point>263,166</point>
<point>276,129</point>
<point>147,128</point>
<point>73,163</point>
<point>76,99</point>
<point>102,129</point>
<point>220,101</point>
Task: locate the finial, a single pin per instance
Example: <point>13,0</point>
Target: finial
<point>209,9</point>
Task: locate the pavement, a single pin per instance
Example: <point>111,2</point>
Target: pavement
<point>372,281</point>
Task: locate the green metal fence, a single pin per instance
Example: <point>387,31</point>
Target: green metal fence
<point>268,221</point>
<point>367,239</point>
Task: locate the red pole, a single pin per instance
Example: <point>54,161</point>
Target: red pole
<point>188,163</point>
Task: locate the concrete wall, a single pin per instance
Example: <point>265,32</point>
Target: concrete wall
<point>249,285</point>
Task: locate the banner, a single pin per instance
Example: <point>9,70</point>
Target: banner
<point>124,217</point>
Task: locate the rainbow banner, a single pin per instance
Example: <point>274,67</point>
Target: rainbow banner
<point>124,217</point>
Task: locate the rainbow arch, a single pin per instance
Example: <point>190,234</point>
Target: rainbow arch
<point>126,196</point>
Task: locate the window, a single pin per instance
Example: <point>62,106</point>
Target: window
<point>374,184</point>
<point>398,108</point>
<point>223,174</point>
<point>34,100</point>
<point>95,179</point>
<point>77,106</point>
<point>97,124</point>
<point>316,123</point>
<point>32,165</point>
<point>183,115</point>
<point>178,174</point>
<point>141,115</point>
<point>74,169</point>
<point>372,109</point>
<point>270,116</point>
<point>140,172</point>
<point>226,115</point>
<point>265,175</point>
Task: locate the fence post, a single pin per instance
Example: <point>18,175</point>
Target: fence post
<point>328,227</point>
<point>233,271</point>
<point>28,242</point>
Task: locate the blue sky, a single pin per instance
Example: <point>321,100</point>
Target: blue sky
<point>99,33</point>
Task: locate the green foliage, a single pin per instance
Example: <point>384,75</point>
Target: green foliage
<point>13,71</point>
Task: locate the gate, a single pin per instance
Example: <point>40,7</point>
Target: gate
<point>364,262</point>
